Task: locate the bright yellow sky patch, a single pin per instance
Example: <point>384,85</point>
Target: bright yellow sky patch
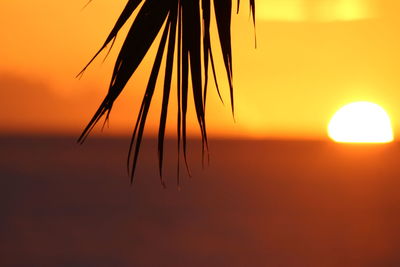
<point>320,10</point>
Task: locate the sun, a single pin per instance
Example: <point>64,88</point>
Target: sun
<point>361,122</point>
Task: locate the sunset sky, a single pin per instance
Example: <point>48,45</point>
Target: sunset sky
<point>312,57</point>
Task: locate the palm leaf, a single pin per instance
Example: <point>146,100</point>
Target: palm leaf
<point>186,41</point>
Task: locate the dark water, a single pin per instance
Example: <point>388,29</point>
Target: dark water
<point>259,203</point>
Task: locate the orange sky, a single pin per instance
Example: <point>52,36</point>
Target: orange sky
<point>312,58</point>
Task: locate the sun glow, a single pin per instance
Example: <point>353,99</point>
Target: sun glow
<point>361,122</point>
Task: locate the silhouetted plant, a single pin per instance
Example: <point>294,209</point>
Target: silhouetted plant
<point>185,27</point>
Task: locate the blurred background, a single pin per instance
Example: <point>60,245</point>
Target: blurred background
<point>277,191</point>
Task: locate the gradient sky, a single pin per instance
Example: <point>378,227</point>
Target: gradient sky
<point>313,56</point>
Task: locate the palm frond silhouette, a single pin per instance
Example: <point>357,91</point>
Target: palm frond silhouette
<point>186,41</point>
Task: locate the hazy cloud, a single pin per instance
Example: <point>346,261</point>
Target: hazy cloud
<point>30,104</point>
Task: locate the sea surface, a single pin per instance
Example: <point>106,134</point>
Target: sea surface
<point>257,203</point>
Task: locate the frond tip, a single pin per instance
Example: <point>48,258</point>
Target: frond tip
<point>186,44</point>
